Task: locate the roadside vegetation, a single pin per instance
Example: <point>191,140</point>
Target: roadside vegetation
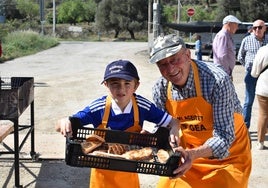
<point>100,20</point>
<point>22,43</point>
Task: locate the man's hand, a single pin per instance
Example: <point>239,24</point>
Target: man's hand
<point>189,155</point>
<point>186,162</point>
<point>174,133</point>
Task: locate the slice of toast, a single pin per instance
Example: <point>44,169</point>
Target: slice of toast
<point>92,142</point>
<point>162,155</point>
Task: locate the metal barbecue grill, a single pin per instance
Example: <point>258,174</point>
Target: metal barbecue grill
<point>16,95</point>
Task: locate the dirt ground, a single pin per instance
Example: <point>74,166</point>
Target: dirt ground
<point>67,78</point>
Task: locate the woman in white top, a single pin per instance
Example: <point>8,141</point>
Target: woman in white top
<point>260,71</point>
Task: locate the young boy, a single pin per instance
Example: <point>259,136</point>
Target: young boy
<point>124,110</point>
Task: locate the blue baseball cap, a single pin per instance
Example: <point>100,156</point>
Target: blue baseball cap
<point>123,69</point>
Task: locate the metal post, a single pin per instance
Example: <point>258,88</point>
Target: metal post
<point>33,153</point>
<point>149,16</point>
<point>54,19</point>
<point>190,32</point>
<point>16,153</point>
<point>179,15</point>
<point>42,16</point>
<point>156,15</point>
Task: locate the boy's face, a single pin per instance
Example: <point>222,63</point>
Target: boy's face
<point>121,90</point>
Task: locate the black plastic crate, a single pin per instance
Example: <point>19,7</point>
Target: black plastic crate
<point>159,140</point>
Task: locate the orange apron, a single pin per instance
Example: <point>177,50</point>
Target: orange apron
<point>196,118</point>
<point>101,178</point>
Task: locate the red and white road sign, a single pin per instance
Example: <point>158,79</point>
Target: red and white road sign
<point>190,12</point>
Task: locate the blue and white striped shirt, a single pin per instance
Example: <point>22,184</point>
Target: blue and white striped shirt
<point>93,114</point>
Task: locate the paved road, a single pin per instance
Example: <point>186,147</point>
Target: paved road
<point>67,78</point>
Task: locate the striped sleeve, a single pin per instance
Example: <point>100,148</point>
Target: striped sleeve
<point>149,112</point>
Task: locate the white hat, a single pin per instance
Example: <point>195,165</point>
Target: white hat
<point>166,46</point>
<point>231,18</point>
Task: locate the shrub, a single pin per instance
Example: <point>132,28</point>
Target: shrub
<point>22,43</point>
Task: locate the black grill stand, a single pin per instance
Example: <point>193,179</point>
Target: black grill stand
<point>16,94</point>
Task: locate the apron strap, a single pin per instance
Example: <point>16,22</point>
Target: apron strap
<point>108,109</point>
<point>136,111</point>
<point>106,112</point>
<point>196,79</point>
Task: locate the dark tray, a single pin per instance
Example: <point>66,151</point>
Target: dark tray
<point>159,140</point>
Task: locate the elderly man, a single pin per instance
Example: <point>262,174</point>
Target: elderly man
<point>248,49</point>
<point>215,147</point>
<point>223,44</point>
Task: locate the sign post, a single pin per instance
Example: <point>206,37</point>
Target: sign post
<point>190,13</point>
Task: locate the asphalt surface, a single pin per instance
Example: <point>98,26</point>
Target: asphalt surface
<point>67,78</point>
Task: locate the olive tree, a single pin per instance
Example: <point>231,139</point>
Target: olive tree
<point>128,15</point>
<point>75,11</point>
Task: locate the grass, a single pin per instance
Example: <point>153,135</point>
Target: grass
<point>23,43</point>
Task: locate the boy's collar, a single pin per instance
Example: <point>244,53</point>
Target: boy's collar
<point>117,110</point>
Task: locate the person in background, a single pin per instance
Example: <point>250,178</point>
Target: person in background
<point>260,70</point>
<point>215,148</point>
<point>198,47</point>
<point>247,51</point>
<point>249,32</point>
<point>123,110</point>
<point>224,54</point>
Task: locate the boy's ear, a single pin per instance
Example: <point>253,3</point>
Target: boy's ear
<point>137,84</point>
<point>105,83</point>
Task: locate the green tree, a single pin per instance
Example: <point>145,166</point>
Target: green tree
<point>254,9</point>
<point>75,11</point>
<point>246,10</point>
<point>89,10</point>
<point>71,11</point>
<point>29,9</point>
<point>129,15</point>
<point>201,13</point>
<point>103,19</point>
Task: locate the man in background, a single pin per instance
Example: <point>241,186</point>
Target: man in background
<point>248,49</point>
<point>249,31</point>
<point>223,45</point>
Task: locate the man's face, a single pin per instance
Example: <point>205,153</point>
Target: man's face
<point>176,68</point>
<point>259,28</point>
<point>233,27</point>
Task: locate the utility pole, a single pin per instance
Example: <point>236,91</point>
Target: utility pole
<point>54,19</point>
<point>179,15</point>
<point>42,20</point>
<point>149,16</point>
<point>156,19</point>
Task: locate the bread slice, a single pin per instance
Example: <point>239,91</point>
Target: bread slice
<point>105,154</point>
<point>94,137</point>
<point>115,148</point>
<point>92,142</point>
<point>139,154</point>
<point>162,155</point>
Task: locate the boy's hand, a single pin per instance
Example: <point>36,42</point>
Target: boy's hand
<point>64,126</point>
<point>143,131</point>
